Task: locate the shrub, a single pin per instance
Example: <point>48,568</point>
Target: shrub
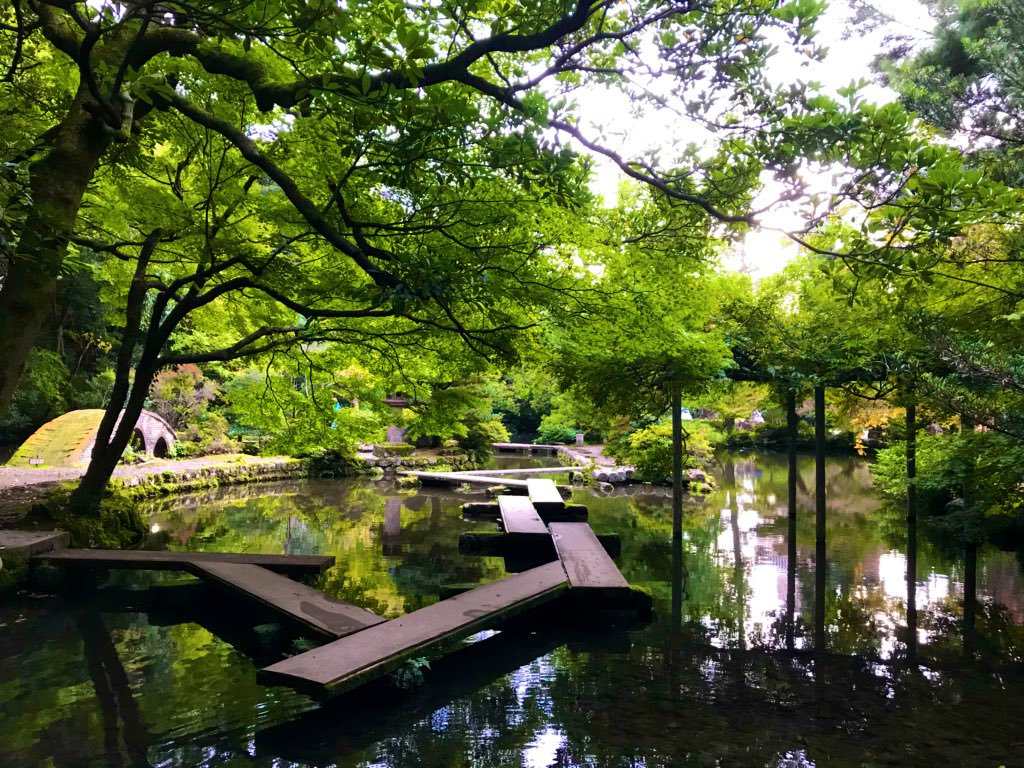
<point>39,396</point>
<point>989,464</point>
<point>650,449</point>
<point>208,436</point>
<point>480,434</point>
<point>553,434</point>
<point>181,395</point>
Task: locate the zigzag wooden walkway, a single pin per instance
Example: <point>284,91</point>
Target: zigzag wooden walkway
<point>582,565</point>
<point>346,663</point>
<point>162,560</point>
<point>363,645</point>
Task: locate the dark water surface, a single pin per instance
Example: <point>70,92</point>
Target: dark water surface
<point>725,675</point>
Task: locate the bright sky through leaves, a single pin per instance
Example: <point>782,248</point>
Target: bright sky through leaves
<point>607,112</point>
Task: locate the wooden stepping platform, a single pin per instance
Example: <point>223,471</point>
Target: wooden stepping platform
<point>519,518</point>
<point>529,447</point>
<point>457,478</point>
<point>502,545</point>
<point>523,471</point>
<point>138,559</point>
<point>320,613</point>
<point>29,543</point>
<point>348,662</point>
<point>544,495</point>
<point>586,562</point>
<point>572,513</point>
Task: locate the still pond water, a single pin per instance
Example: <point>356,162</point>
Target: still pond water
<point>723,675</point>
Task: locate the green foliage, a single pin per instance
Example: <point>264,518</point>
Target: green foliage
<point>463,412</point>
<point>181,395</point>
<point>114,523</point>
<point>971,480</point>
<point>410,674</point>
<point>650,449</point>
<point>298,423</point>
<point>40,395</point>
<point>553,433</point>
<point>13,570</point>
<point>208,434</point>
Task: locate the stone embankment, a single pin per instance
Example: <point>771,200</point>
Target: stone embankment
<point>389,465</point>
<point>20,488</point>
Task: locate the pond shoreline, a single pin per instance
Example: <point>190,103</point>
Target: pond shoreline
<point>21,488</point>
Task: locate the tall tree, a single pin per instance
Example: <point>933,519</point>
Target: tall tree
<point>392,92</point>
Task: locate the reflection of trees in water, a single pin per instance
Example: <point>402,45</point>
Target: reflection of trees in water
<point>749,708</point>
<point>739,558</point>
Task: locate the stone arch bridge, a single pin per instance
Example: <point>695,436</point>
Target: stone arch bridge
<point>68,440</point>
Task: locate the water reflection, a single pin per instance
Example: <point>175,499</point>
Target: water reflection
<point>725,675</point>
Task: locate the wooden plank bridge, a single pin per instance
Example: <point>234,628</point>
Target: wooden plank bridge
<point>362,645</point>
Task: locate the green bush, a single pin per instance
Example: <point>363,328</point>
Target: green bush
<point>554,434</point>
<point>650,449</point>
<point>481,434</point>
<point>988,464</point>
<point>39,396</point>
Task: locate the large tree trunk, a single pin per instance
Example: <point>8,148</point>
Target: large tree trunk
<point>58,182</point>
<point>105,455</point>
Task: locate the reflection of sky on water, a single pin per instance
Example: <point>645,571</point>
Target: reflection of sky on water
<point>752,517</point>
<point>543,750</point>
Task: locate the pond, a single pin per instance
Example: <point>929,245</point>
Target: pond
<point>725,674</point>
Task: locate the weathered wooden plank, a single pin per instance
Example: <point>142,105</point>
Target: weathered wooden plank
<point>32,542</point>
<point>519,518</point>
<point>455,478</point>
<point>585,560</point>
<point>523,471</point>
<point>348,662</point>
<point>325,615</point>
<point>572,513</point>
<point>139,559</point>
<point>502,545</point>
<point>529,447</point>
<point>544,495</point>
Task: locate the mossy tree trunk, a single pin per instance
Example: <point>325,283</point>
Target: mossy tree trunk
<point>58,181</point>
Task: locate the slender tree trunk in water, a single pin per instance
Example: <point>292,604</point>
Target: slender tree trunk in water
<point>911,531</point>
<point>970,596</point>
<point>820,564</point>
<point>678,577</point>
<point>739,575</point>
<point>58,182</point>
<point>677,461</point>
<point>791,434</point>
<point>970,563</point>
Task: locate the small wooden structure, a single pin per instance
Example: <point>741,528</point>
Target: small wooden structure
<point>146,560</point>
<point>519,518</point>
<point>363,645</point>
<point>322,614</point>
<point>458,478</point>
<point>346,663</point>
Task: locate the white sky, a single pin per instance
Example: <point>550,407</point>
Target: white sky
<point>763,252</point>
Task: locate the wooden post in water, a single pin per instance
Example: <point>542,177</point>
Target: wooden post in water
<point>679,575</point>
<point>677,460</point>
<point>792,423</point>
<point>970,559</point>
<point>391,540</point>
<point>911,530</point>
<point>820,564</point>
